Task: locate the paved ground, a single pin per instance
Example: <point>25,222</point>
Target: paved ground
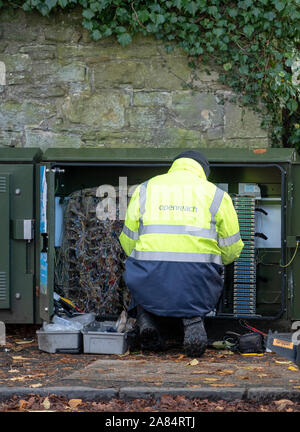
<point>218,374</point>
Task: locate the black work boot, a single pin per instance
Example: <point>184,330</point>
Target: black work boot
<point>150,337</point>
<point>195,337</point>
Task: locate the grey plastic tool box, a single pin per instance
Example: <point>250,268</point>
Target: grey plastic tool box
<point>96,340</point>
<point>68,341</point>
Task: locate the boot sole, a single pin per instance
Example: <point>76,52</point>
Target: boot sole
<point>194,350</point>
<point>150,340</point>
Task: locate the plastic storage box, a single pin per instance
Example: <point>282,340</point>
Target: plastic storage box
<point>98,341</point>
<point>63,334</point>
<point>68,341</point>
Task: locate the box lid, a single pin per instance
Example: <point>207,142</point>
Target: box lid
<point>20,155</point>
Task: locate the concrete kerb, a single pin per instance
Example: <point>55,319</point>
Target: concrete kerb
<point>84,393</point>
<point>131,393</point>
<point>260,394</point>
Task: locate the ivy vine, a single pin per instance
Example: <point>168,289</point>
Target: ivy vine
<point>255,43</point>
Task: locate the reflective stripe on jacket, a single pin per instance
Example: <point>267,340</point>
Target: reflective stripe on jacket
<point>179,219</point>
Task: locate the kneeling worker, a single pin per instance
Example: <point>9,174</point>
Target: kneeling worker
<point>179,231</point>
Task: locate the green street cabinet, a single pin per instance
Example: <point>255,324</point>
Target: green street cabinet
<point>263,284</point>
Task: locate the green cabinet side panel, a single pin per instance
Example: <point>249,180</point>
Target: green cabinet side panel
<point>5,242</point>
<point>17,267</point>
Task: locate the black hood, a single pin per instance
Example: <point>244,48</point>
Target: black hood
<point>198,157</point>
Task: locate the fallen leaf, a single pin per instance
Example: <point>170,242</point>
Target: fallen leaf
<point>222,385</point>
<point>193,362</point>
<point>13,371</point>
<point>46,403</point>
<point>22,378</point>
<point>35,385</point>
<point>293,368</point>
<point>227,352</point>
<point>225,372</point>
<point>181,356</point>
<point>41,411</point>
<point>125,354</point>
<point>211,379</point>
<point>20,358</point>
<point>220,408</point>
<point>22,404</point>
<point>73,403</point>
<point>246,367</point>
<point>283,403</point>
<point>21,342</point>
<point>149,378</point>
<point>283,362</point>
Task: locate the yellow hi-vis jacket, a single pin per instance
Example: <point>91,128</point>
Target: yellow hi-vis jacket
<point>179,231</point>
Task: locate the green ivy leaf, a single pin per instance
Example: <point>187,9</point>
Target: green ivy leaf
<point>121,29</point>
<point>124,39</point>
<point>107,32</point>
<point>51,4</point>
<point>96,35</point>
<point>63,3</point>
<point>191,7</point>
<point>248,30</point>
<point>218,31</point>
<point>160,19</point>
<point>178,4</point>
<point>213,10</point>
<point>233,12</point>
<point>270,15</point>
<point>244,70</point>
<point>245,4</point>
<point>292,105</point>
<point>43,8</point>
<point>255,12</point>
<point>87,24</point>
<point>227,66</point>
<point>143,15</point>
<point>294,14</point>
<point>279,5</point>
<point>88,14</point>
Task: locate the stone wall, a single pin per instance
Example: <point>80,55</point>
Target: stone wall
<point>58,88</point>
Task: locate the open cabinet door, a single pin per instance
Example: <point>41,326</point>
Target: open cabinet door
<point>46,254</point>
